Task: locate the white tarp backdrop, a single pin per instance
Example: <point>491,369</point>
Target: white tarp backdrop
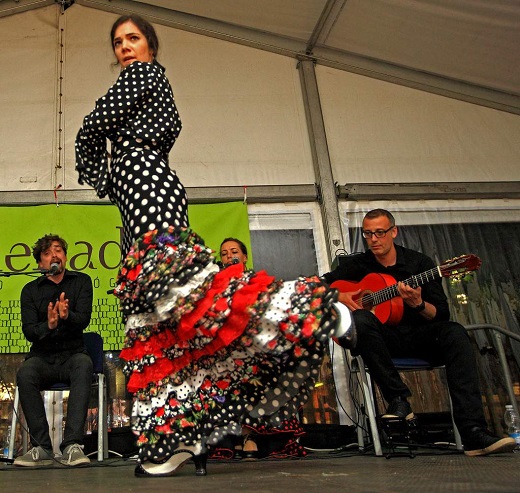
<point>384,133</point>
<point>242,107</point>
<point>410,92</point>
<point>243,122</point>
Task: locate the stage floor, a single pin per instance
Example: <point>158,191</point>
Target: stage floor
<point>319,472</point>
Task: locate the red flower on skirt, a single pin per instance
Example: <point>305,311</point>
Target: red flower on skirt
<point>309,325</point>
<point>206,385</point>
<point>132,274</point>
<point>222,384</point>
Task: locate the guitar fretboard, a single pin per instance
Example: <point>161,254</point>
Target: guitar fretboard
<point>369,300</point>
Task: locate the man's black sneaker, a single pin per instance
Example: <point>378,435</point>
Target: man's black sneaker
<point>399,408</point>
<point>481,442</point>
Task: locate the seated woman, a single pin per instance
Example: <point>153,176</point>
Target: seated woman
<point>279,441</point>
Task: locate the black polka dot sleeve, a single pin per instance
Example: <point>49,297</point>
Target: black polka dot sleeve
<point>139,108</point>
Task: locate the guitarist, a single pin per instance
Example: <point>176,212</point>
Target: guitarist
<point>424,331</point>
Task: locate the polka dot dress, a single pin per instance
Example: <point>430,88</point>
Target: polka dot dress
<point>148,194</point>
<point>230,348</point>
<point>139,117</point>
<point>207,351</point>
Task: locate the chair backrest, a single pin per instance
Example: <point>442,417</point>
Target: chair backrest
<point>413,364</point>
<point>94,345</point>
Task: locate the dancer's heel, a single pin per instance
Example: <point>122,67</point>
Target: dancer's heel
<point>170,466</point>
<point>200,464</point>
<point>345,334</point>
<point>249,447</point>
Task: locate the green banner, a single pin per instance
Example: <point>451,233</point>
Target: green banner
<point>93,233</point>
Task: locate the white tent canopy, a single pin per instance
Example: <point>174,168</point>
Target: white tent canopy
<point>233,69</point>
<point>467,48</point>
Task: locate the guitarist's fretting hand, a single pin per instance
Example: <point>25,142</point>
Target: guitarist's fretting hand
<point>412,297</point>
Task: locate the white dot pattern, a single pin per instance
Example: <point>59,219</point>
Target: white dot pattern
<point>139,117</point>
<point>259,379</point>
<point>223,381</point>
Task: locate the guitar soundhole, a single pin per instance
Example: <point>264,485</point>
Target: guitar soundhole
<point>365,299</point>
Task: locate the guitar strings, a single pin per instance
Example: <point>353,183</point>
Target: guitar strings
<point>368,300</point>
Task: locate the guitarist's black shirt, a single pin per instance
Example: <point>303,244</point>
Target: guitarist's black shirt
<point>409,263</point>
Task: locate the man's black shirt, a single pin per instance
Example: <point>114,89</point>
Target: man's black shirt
<point>67,338</point>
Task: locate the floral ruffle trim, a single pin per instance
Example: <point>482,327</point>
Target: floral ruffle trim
<point>155,261</point>
<point>292,426</point>
<point>211,327</point>
<point>312,317</point>
<point>176,415</point>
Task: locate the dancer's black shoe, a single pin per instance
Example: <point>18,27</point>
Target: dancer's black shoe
<point>171,465</point>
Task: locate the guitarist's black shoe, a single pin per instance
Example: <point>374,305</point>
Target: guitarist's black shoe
<point>399,408</point>
<point>345,334</point>
<point>481,442</point>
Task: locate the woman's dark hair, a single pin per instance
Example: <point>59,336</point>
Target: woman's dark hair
<point>144,26</point>
<point>243,248</point>
<point>44,243</point>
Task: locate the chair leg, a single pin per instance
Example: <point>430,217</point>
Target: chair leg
<point>360,437</point>
<point>102,438</point>
<point>105,425</point>
<point>505,369</point>
<point>53,400</point>
<point>456,434</point>
<point>14,421</point>
<point>370,407</point>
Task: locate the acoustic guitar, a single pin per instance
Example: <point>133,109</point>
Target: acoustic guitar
<point>379,291</point>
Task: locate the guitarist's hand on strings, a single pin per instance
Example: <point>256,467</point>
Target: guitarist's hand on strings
<point>347,298</point>
<point>412,297</point>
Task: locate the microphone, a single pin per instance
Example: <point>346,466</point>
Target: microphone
<point>54,269</point>
<point>233,261</point>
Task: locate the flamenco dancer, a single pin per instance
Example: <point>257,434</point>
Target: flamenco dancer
<point>207,351</point>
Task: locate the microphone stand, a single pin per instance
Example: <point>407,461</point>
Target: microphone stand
<point>23,273</point>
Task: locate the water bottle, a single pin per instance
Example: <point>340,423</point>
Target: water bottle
<point>7,438</point>
<point>513,425</point>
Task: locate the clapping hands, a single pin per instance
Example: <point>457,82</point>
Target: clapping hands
<point>57,310</point>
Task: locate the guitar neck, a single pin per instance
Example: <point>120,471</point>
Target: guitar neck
<point>385,294</point>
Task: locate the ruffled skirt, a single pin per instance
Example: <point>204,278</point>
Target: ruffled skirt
<point>208,351</point>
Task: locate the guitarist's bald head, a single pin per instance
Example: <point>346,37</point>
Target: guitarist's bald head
<point>375,213</point>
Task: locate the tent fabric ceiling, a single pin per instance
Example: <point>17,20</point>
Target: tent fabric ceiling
<point>465,49</point>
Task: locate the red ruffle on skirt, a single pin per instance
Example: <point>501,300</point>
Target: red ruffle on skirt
<point>233,309</point>
<point>236,348</point>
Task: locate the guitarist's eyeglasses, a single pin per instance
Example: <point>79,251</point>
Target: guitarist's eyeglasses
<point>378,233</point>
